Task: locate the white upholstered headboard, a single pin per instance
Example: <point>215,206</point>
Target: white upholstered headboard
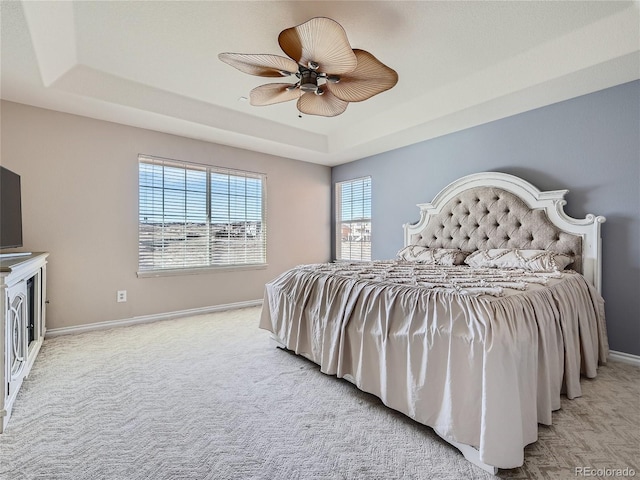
<point>497,210</point>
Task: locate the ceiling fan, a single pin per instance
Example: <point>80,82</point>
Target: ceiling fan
<point>329,73</point>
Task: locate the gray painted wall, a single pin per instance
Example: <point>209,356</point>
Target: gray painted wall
<point>589,145</point>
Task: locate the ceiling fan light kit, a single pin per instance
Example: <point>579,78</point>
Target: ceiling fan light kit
<point>330,74</point>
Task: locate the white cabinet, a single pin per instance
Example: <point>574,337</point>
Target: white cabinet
<point>22,302</point>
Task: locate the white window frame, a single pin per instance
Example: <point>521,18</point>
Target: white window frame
<point>359,248</point>
<point>173,243</point>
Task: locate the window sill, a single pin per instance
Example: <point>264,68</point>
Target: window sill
<point>198,271</point>
<point>355,260</point>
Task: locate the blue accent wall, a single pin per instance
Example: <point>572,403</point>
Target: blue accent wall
<point>589,145</point>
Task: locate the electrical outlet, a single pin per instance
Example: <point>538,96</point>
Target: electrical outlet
<point>122,296</point>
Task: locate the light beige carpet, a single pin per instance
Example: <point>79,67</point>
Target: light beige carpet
<point>207,397</point>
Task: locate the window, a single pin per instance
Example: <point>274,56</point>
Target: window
<point>353,219</point>
<point>193,216</point>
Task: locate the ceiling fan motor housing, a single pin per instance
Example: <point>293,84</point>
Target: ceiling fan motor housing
<point>308,80</point>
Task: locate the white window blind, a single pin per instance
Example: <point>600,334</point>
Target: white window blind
<point>353,219</point>
<point>193,216</point>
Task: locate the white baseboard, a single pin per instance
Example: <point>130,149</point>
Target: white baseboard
<point>90,327</point>
<point>624,357</point>
<point>54,332</point>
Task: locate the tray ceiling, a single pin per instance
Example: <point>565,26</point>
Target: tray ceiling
<point>154,65</point>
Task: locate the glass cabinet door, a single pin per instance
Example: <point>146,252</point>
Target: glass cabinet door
<point>16,331</point>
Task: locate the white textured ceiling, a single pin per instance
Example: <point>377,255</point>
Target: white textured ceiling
<point>154,64</point>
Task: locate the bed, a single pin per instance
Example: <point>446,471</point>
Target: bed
<point>489,313</point>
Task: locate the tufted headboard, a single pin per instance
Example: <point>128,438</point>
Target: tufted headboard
<point>496,210</point>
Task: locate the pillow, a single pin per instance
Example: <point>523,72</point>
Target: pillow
<point>532,260</point>
<point>432,256</point>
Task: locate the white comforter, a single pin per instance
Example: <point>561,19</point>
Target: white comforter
<point>481,358</point>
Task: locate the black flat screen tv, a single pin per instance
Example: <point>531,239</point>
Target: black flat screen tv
<point>10,209</point>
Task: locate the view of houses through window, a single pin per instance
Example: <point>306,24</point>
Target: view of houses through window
<point>193,216</point>
<point>353,219</point>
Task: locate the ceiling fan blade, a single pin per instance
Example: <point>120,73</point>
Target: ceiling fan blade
<point>271,93</point>
<point>320,40</point>
<point>262,65</point>
<point>370,77</point>
<point>325,105</point>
